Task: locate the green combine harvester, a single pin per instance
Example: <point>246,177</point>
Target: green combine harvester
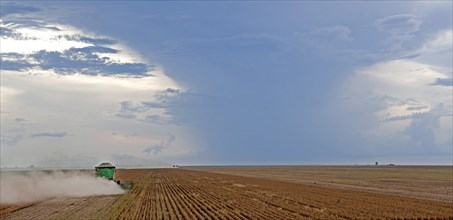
<point>107,171</point>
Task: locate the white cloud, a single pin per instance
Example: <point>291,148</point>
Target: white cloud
<point>82,107</point>
<point>29,39</point>
<point>37,45</point>
<point>405,111</point>
<point>66,86</point>
<point>438,51</point>
<point>402,73</point>
<point>443,40</point>
<point>406,103</point>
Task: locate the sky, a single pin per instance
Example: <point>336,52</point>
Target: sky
<point>158,83</point>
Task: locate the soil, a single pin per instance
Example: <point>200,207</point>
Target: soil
<point>197,194</point>
<point>190,194</point>
<point>64,208</point>
<point>425,182</point>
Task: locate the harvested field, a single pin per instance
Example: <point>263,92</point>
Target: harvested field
<point>6,209</point>
<point>426,182</point>
<point>186,194</point>
<point>190,194</point>
<point>64,208</point>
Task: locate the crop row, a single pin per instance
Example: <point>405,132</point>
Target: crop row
<point>6,209</point>
<point>185,194</point>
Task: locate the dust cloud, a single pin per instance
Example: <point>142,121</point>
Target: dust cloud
<point>29,186</point>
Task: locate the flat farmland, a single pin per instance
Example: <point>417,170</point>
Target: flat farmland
<point>426,182</point>
<point>198,194</point>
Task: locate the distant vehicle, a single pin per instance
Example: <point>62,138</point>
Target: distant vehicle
<point>107,171</point>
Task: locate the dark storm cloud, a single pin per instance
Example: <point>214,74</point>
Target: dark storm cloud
<point>259,96</point>
<point>247,43</point>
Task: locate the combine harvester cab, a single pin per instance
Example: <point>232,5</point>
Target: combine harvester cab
<point>107,171</point>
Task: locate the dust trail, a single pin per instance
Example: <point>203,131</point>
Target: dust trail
<point>27,186</point>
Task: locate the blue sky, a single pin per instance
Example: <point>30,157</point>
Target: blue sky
<point>204,83</point>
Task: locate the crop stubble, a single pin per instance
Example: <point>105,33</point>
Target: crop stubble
<point>188,194</point>
<point>425,182</point>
